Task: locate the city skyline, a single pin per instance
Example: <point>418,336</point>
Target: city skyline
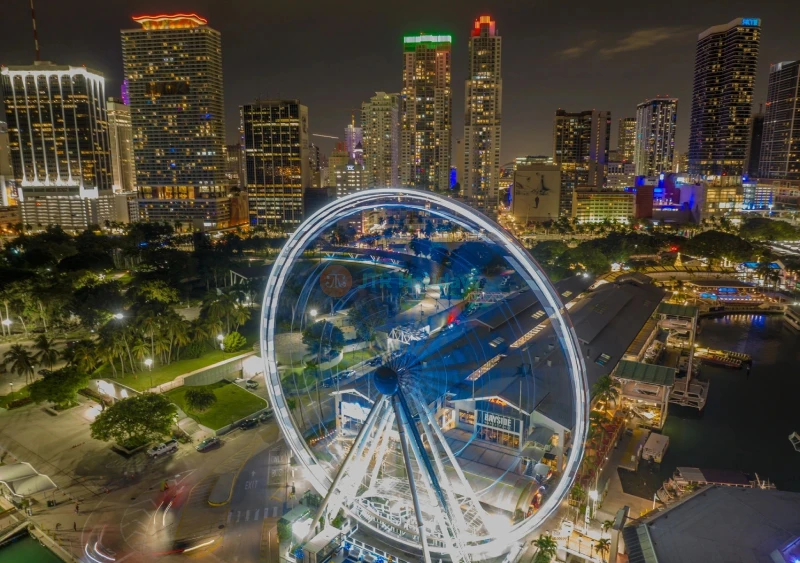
<point>599,50</point>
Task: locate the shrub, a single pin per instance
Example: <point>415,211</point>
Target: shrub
<point>234,342</point>
<point>200,399</point>
<point>193,350</point>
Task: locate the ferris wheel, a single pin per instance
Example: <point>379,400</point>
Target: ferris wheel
<point>425,374</point>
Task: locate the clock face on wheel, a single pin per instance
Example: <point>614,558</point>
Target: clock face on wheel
<point>410,381</point>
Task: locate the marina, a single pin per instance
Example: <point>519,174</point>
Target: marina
<point>745,424</point>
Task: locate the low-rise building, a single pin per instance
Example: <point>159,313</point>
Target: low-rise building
<point>590,205</point>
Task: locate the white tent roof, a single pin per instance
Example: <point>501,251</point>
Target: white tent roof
<point>23,480</point>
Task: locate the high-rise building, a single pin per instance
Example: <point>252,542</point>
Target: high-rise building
<point>780,146</point>
<point>234,166</point>
<point>350,178</point>
<point>754,140</point>
<point>353,140</point>
<point>120,137</point>
<point>426,112</point>
<point>724,76</point>
<point>581,150</point>
<point>626,143</point>
<point>482,116</point>
<point>380,122</point>
<point>655,136</point>
<point>173,65</point>
<point>277,166</point>
<point>8,192</point>
<point>58,139</point>
<point>338,159</point>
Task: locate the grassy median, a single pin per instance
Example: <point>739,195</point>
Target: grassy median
<point>233,403</point>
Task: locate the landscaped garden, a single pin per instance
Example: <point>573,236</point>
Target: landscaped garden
<point>233,403</point>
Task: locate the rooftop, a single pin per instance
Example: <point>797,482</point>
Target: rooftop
<point>720,525</point>
<point>646,373</point>
<point>675,310</point>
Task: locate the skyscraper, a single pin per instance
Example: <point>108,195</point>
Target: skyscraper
<point>754,139</point>
<point>277,166</point>
<point>353,140</point>
<point>381,127</point>
<point>482,116</point>
<point>655,136</point>
<point>780,145</point>
<point>581,150</point>
<point>8,192</point>
<point>724,75</point>
<point>626,143</point>
<point>427,105</point>
<point>173,65</point>
<point>120,136</point>
<point>58,138</point>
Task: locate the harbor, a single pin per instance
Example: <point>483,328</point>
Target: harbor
<point>742,429</point>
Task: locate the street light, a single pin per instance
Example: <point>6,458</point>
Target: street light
<point>7,324</point>
<point>149,363</point>
<point>221,344</point>
<point>119,316</point>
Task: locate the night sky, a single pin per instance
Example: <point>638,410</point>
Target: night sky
<point>333,55</point>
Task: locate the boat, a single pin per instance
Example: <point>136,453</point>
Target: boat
<point>655,447</point>
<point>725,358</point>
<point>685,477</point>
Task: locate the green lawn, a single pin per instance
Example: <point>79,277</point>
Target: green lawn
<point>352,358</point>
<point>18,394</point>
<point>233,403</point>
<point>141,380</point>
<point>144,380</point>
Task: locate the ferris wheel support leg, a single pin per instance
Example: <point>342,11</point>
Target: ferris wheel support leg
<point>457,514</point>
<point>382,450</point>
<point>454,462</point>
<point>355,451</point>
<point>401,426</point>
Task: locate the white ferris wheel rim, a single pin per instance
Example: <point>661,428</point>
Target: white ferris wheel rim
<point>469,219</point>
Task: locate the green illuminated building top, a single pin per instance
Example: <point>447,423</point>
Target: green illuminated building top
<point>410,42</point>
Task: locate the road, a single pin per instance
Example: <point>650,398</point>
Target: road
<point>261,493</point>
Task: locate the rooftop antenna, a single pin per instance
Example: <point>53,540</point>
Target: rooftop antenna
<point>35,34</point>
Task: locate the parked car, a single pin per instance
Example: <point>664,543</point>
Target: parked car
<point>347,374</point>
<point>376,361</point>
<point>162,449</point>
<point>209,444</point>
<point>251,384</point>
<point>266,416</point>
<point>248,423</point>
<point>396,354</point>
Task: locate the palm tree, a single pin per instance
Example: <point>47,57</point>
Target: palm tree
<point>140,350</point>
<point>20,360</point>
<point>240,315</point>
<point>546,548</point>
<point>178,331</point>
<point>83,355</point>
<point>47,354</point>
<point>607,525</point>
<point>602,547</point>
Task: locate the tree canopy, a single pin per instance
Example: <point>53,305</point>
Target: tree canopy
<point>323,335</point>
<point>136,420</point>
<point>717,245</point>
<point>60,387</point>
<point>763,228</point>
<point>200,399</point>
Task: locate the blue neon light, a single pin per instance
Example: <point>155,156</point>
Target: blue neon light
<point>751,22</point>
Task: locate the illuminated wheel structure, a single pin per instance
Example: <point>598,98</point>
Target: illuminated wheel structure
<point>435,445</point>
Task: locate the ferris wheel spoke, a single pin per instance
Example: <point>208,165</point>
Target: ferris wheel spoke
<point>469,493</point>
<point>354,453</point>
<point>402,426</point>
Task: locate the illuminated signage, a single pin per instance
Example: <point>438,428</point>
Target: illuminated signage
<point>428,39</point>
<point>498,421</point>
<point>751,22</point>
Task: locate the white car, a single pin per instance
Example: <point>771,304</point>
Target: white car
<point>167,447</point>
